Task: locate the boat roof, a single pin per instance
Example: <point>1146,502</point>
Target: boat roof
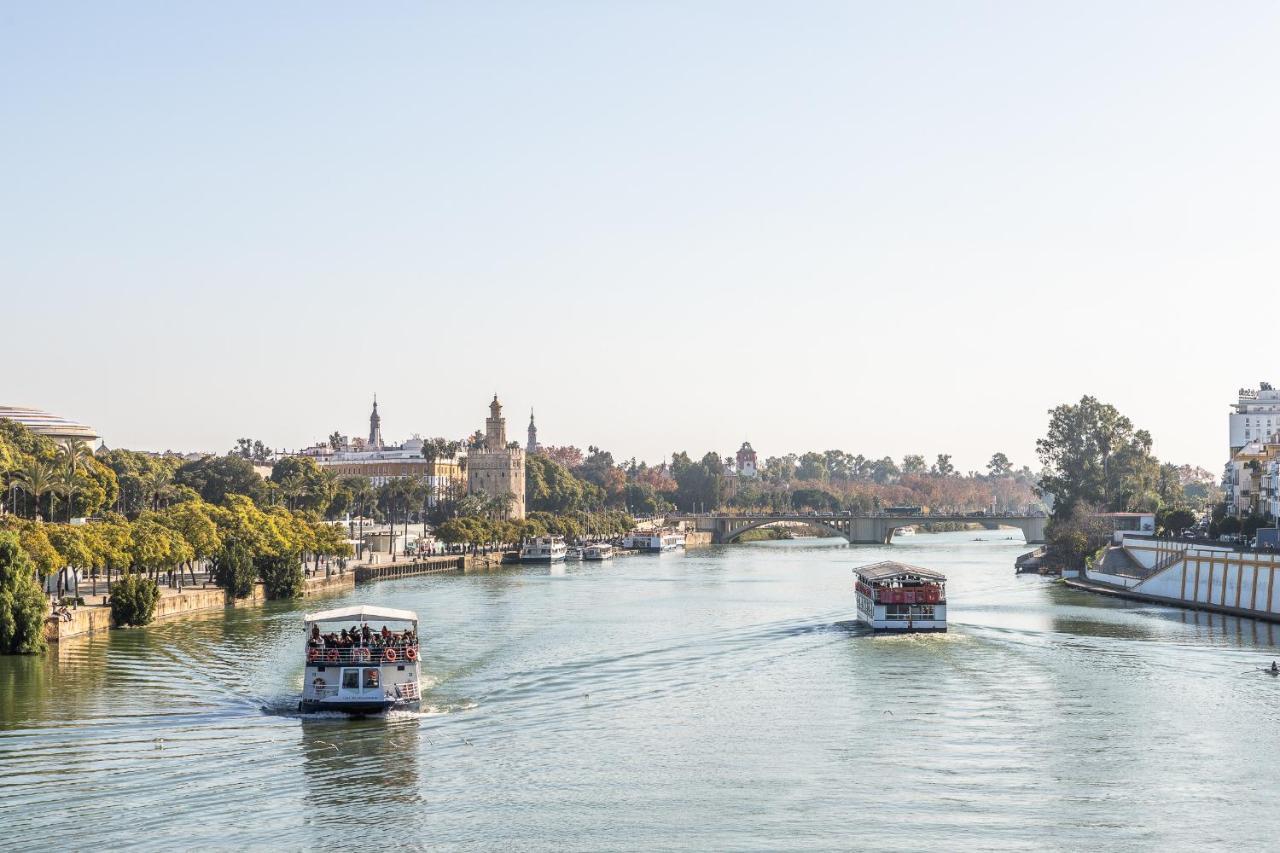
<point>890,569</point>
<point>362,613</point>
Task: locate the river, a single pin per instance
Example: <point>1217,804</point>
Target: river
<point>714,700</point>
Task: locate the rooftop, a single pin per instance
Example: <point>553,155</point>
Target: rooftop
<point>44,423</point>
<point>362,613</point>
<point>890,569</point>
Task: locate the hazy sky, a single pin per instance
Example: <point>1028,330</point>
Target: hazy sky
<point>887,228</point>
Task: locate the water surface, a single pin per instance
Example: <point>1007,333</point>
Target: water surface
<point>719,699</point>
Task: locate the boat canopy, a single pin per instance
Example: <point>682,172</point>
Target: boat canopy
<point>362,613</point>
<point>889,570</point>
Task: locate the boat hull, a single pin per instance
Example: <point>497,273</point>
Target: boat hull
<point>356,707</point>
<point>559,558</point>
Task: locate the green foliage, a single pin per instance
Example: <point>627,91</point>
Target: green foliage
<point>1173,521</point>
<point>215,477</point>
<point>942,467</point>
<point>133,600</point>
<point>550,487</point>
<point>233,569</point>
<point>281,575</point>
<point>22,603</point>
<point>304,485</point>
<point>700,485</point>
<point>1074,536</point>
<point>999,466</point>
<point>1093,454</point>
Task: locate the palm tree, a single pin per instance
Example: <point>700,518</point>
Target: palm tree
<point>155,484</point>
<point>73,453</point>
<point>38,477</point>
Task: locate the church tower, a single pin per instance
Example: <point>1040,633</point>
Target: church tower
<point>533,435</point>
<point>375,427</point>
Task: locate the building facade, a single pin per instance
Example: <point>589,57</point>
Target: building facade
<point>1256,416</point>
<point>43,423</point>
<point>496,469</point>
<point>380,462</point>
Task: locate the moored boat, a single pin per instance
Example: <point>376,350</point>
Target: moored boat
<point>357,668</point>
<point>904,531</point>
<point>654,540</point>
<point>543,549</point>
<point>897,597</point>
<point>596,553</point>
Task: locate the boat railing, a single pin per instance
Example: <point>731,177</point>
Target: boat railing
<point>336,655</point>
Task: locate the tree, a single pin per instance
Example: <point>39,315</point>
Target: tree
<point>254,451</point>
<point>550,487</point>
<point>74,454</point>
<point>943,467</point>
<point>913,463</point>
<point>215,477</point>
<point>38,477</point>
<point>813,466</point>
<point>302,482</point>
<point>233,568</point>
<point>1093,454</point>
<point>22,602</point>
<point>335,440</point>
<point>1173,521</point>
<point>999,466</point>
<point>133,600</point>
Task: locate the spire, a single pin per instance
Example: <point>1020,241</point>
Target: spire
<point>532,446</point>
<point>375,426</point>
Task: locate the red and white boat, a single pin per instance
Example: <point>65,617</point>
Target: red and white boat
<point>897,597</point>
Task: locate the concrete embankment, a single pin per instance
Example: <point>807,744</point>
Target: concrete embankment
<point>96,617</point>
<point>1197,577</point>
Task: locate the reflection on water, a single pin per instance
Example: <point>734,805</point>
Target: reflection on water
<point>722,698</point>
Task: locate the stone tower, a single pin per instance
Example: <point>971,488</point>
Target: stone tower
<point>495,427</point>
<point>375,426</point>
<point>495,470</point>
<point>532,446</point>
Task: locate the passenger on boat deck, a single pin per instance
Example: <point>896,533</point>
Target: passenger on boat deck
<point>386,635</point>
<point>316,640</point>
<point>365,633</point>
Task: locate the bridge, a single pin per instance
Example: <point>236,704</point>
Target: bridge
<point>855,529</point>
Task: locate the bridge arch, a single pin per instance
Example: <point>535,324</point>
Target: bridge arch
<point>733,534</point>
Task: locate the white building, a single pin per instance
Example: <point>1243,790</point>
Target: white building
<point>1256,416</point>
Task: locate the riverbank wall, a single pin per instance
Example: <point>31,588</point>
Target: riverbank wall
<point>1197,577</point>
<point>96,617</point>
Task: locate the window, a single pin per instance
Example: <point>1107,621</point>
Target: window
<point>370,679</point>
<point>351,679</point>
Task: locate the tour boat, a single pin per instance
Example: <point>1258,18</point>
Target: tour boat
<point>904,531</point>
<point>653,540</point>
<point>543,549</point>
<point>897,597</point>
<point>372,674</point>
<point>602,551</point>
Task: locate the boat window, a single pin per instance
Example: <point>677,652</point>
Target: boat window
<point>370,678</point>
<point>351,679</point>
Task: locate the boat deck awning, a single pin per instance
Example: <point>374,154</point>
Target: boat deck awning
<point>890,570</point>
<point>362,613</point>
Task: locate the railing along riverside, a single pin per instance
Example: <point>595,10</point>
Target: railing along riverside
<point>337,655</point>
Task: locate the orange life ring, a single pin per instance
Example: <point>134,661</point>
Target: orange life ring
<point>313,654</point>
<point>411,653</point>
<point>389,655</point>
<point>362,654</point>
<point>332,656</point>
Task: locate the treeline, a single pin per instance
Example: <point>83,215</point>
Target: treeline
<point>150,517</point>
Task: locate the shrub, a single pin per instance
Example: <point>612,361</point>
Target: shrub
<point>233,569</point>
<point>281,576</point>
<point>133,600</point>
<point>22,603</point>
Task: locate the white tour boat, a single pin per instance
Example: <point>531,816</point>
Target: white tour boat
<point>903,531</point>
<point>602,551</point>
<point>653,540</point>
<point>373,673</point>
<point>897,597</point>
<point>543,549</point>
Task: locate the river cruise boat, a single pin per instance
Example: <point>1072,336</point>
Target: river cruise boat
<point>543,549</point>
<point>361,661</point>
<point>653,540</point>
<point>897,597</point>
<point>903,531</point>
<point>597,553</point>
